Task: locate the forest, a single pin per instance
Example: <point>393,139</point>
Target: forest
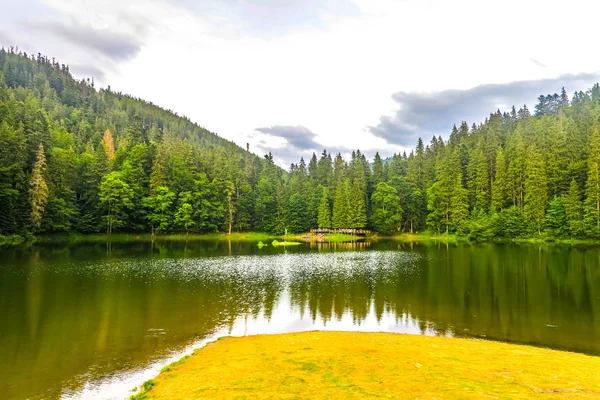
<point>77,159</point>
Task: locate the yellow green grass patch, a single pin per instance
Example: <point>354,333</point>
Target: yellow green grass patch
<point>352,365</point>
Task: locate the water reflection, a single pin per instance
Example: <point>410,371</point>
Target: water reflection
<point>83,317</point>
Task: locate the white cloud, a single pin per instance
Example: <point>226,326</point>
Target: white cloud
<point>336,70</point>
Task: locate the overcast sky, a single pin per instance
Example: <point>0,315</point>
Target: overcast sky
<point>297,76</point>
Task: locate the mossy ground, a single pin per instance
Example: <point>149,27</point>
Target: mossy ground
<point>342,365</point>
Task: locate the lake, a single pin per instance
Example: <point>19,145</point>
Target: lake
<point>95,320</point>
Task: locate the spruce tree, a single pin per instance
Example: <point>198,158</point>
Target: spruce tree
<point>516,168</point>
<point>313,167</point>
<point>564,98</point>
<point>478,181</point>
<point>592,202</point>
<point>377,169</point>
<point>592,192</point>
<point>38,189</point>
<point>536,189</point>
<point>500,184</point>
<point>340,205</point>
<point>573,209</point>
<point>357,210</point>
<point>324,218</point>
<point>459,206</point>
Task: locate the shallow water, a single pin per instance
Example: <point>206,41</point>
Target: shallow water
<point>93,321</point>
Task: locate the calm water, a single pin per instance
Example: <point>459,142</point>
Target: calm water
<point>92,321</point>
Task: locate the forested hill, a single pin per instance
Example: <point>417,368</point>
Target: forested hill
<point>73,158</point>
<point>76,158</point>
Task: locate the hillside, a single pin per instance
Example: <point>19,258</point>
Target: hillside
<point>73,139</point>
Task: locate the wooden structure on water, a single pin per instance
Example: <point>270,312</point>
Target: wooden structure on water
<point>318,234</point>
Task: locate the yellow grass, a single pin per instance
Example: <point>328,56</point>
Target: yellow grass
<point>352,365</point>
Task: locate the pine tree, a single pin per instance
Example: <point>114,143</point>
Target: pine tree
<point>297,215</point>
<point>341,204</point>
<point>573,209</point>
<point>500,184</point>
<point>564,98</point>
<point>324,219</point>
<point>536,189</point>
<point>377,169</point>
<point>38,192</point>
<point>592,202</point>
<point>313,167</point>
<point>357,210</point>
<point>459,206</point>
<point>478,181</point>
<point>516,168</point>
<point>440,193</point>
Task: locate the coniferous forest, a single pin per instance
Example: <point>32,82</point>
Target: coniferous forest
<point>77,159</point>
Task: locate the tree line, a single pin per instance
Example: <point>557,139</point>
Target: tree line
<point>73,158</point>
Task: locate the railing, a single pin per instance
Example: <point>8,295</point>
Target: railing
<point>347,231</point>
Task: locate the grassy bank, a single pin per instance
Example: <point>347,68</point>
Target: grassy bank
<point>453,238</point>
<point>14,240</point>
<point>356,365</point>
<point>75,238</point>
<point>423,237</point>
<point>146,237</point>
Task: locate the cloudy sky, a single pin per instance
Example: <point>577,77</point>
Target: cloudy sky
<point>297,76</point>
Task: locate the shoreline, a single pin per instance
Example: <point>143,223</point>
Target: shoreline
<point>251,237</point>
<point>335,364</point>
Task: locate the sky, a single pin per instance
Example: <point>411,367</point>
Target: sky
<point>298,76</point>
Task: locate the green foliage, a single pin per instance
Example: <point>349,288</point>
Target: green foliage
<point>459,207</point>
<point>115,196</point>
<point>341,205</point>
<point>536,190</point>
<point>387,212</point>
<point>297,215</point>
<point>509,223</point>
<point>159,211</point>
<point>149,384</point>
<point>500,185</point>
<point>38,191</point>
<point>324,216</point>
<point>174,364</point>
<point>573,209</point>
<point>481,226</point>
<point>556,218</point>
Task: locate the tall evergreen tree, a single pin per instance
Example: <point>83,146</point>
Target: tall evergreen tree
<point>357,209</point>
<point>459,206</point>
<point>573,209</point>
<point>324,219</point>
<point>536,189</point>
<point>592,202</point>
<point>341,205</point>
<point>377,169</point>
<point>38,191</point>
<point>500,183</point>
